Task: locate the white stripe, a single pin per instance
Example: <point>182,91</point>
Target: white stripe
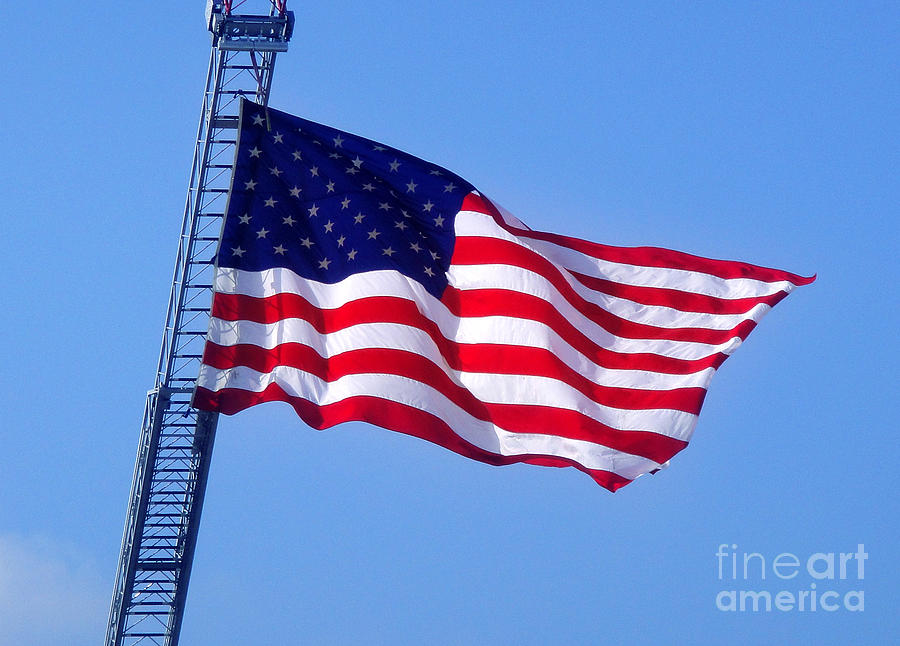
<point>662,316</point>
<point>481,331</point>
<point>468,330</point>
<point>486,387</point>
<point>393,283</point>
<point>484,435</point>
<point>472,277</point>
<point>666,317</point>
<point>472,223</point>
<point>278,280</point>
<point>656,315</point>
<point>548,392</point>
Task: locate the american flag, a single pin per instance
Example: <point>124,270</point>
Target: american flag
<point>357,282</point>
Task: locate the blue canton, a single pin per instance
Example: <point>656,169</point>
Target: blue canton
<point>327,204</point>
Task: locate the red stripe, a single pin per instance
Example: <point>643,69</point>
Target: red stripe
<point>524,360</point>
<point>392,309</point>
<point>504,360</point>
<point>501,302</point>
<point>677,299</point>
<point>389,415</point>
<point>521,418</point>
<point>641,256</point>
<point>477,251</point>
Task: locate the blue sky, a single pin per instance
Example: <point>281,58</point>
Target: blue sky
<point>765,132</point>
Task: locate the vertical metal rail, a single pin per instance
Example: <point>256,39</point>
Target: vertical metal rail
<point>176,441</point>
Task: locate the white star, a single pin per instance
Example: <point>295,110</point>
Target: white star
<point>439,221</point>
<point>338,141</point>
<point>262,233</point>
<point>436,172</point>
<point>237,251</point>
<point>258,120</point>
<point>379,148</point>
<point>449,188</point>
<point>314,171</point>
<point>345,203</point>
<point>279,250</point>
<point>359,218</point>
<point>384,206</point>
<point>334,155</point>
<point>352,171</point>
<point>411,187</point>
<point>323,264</point>
<point>278,137</point>
<point>428,205</point>
<point>357,162</point>
<point>330,186</point>
<point>374,233</point>
<point>329,226</point>
<point>368,187</point>
<point>400,225</point>
<point>271,202</point>
<point>415,247</point>
<point>275,171</point>
<point>297,155</point>
<point>341,241</point>
<point>434,255</point>
<point>352,254</point>
<point>388,252</point>
<point>395,165</point>
<point>289,220</point>
<point>245,219</point>
<point>249,185</point>
<point>429,272</point>
<point>313,211</point>
<point>254,152</point>
<point>295,192</point>
<point>306,242</point>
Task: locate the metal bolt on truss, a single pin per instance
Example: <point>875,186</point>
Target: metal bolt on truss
<point>176,441</point>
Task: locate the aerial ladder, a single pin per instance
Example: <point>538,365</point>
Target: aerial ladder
<point>176,440</point>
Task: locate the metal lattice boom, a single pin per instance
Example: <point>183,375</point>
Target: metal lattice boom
<point>176,440</point>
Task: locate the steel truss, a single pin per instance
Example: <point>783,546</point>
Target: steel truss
<point>176,440</point>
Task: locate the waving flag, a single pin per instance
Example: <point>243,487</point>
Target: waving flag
<point>356,282</point>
